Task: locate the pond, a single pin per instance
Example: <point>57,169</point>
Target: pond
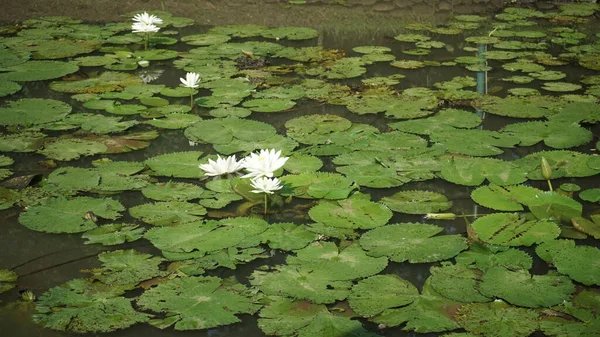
<point>432,179</point>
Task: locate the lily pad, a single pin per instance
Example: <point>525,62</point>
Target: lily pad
<point>318,185</point>
<point>287,236</point>
<point>69,149</point>
<point>206,236</point>
<point>580,263</point>
<point>177,164</point>
<point>371,296</point>
<point>193,303</point>
<point>7,280</point>
<point>126,268</point>
<point>508,229</point>
<point>473,171</point>
<point>113,234</point>
<point>417,202</point>
<point>33,111</point>
<point>497,319</point>
<point>525,290</point>
<point>37,71</point>
<point>412,242</point>
<point>107,81</point>
<point>168,213</point>
<point>81,306</point>
<point>60,215</point>
<point>354,212</point>
<point>457,282</point>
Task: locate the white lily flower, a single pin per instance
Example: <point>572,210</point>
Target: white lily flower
<point>192,80</point>
<point>265,185</point>
<point>263,164</point>
<point>142,27</point>
<point>147,18</point>
<point>221,166</point>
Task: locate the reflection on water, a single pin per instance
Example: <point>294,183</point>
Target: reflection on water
<point>45,260</point>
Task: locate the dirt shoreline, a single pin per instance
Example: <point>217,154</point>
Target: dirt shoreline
<point>220,12</point>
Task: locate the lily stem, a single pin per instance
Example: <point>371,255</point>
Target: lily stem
<point>265,204</point>
<point>192,98</point>
<point>550,185</point>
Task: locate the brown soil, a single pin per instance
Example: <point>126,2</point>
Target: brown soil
<point>215,12</point>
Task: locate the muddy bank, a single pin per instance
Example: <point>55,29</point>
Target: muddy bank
<point>314,13</point>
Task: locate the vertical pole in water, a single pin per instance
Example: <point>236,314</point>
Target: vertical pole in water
<point>481,77</point>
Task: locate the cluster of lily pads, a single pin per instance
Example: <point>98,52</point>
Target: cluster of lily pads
<point>354,196</point>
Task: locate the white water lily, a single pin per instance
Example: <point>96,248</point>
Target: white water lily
<point>147,18</point>
<point>263,164</point>
<point>191,80</point>
<point>142,27</point>
<point>265,185</point>
<point>221,166</point>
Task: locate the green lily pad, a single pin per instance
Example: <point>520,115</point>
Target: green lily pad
<point>290,33</point>
<point>206,236</point>
<point>174,121</point>
<point>417,202</point>
<point>412,242</point>
<point>285,317</point>
<point>113,234</point>
<point>580,263</point>
<point>21,142</point>
<point>473,171</point>
<point>519,107</point>
<point>70,149</point>
<point>497,319</point>
<point>205,39</point>
<point>177,164</point>
<point>484,257</point>
<point>302,163</point>
<point>590,194</point>
<point>168,213</point>
<point>81,306</point>
<point>561,86</point>
<point>62,215</point>
<point>496,197</point>
<point>239,30</point>
<point>328,325</point>
<point>457,282</point>
<point>508,229</point>
<point>126,268</point>
<point>354,212</point>
<point>318,185</point>
<point>107,81</point>
<point>37,71</point>
<point>33,111</point>
<point>179,298</point>
<point>7,280</point>
<point>554,134</point>
<point>287,236</point>
<point>427,313</point>
<point>268,104</point>
<point>175,191</point>
<point>371,296</point>
<point>224,130</point>
<point>334,263</point>
<point>525,290</point>
<point>563,164</point>
<point>8,88</point>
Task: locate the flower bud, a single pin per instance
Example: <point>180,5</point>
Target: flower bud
<point>440,216</point>
<point>546,169</point>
